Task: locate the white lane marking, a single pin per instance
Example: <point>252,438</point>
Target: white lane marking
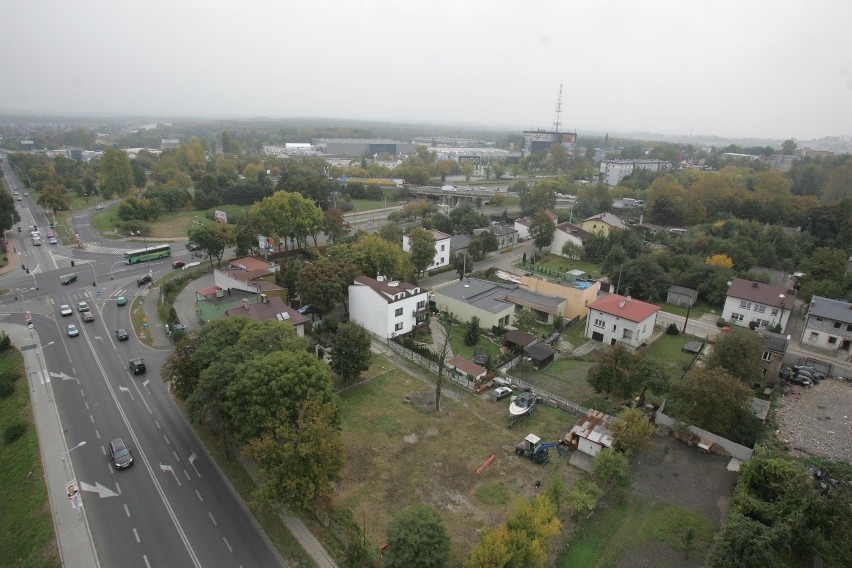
<point>174,453</point>
<point>86,404</point>
<point>169,468</point>
<point>213,519</point>
<point>97,434</point>
<point>126,511</point>
<point>158,425</point>
<point>228,544</point>
<point>117,489</point>
<point>166,438</point>
<point>186,473</point>
<point>136,534</point>
<point>91,419</point>
<point>192,458</point>
<point>145,558</point>
<point>127,390</point>
<point>200,498</point>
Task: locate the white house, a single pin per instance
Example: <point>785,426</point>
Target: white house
<point>621,319</point>
<point>522,225</point>
<point>442,249</point>
<point>567,233</point>
<point>764,304</point>
<point>387,308</point>
<point>828,325</point>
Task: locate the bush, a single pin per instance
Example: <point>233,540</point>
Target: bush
<point>7,387</point>
<point>672,329</point>
<point>14,431</point>
<point>5,341</point>
<point>721,323</point>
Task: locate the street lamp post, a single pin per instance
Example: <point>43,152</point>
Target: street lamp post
<point>66,452</point>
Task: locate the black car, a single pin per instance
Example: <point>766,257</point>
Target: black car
<point>142,280</point>
<point>137,366</point>
<point>122,457</point>
<point>192,246</point>
<point>67,278</point>
<point>121,334</point>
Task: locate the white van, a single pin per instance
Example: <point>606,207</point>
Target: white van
<point>448,188</point>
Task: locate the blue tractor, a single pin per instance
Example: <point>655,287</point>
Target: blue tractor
<point>538,453</point>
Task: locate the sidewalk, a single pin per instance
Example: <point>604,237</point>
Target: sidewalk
<point>73,536</point>
<point>11,253</point>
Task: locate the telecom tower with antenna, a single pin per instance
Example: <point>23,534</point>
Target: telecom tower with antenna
<point>558,110</point>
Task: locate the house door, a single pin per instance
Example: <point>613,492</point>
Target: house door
<point>597,336</point>
<point>612,341</point>
<point>844,346</point>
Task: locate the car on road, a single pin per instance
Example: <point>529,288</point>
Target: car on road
<point>178,264</point>
<point>72,330</point>
<point>121,334</point>
<point>88,316</point>
<point>137,366</point>
<point>82,307</point>
<point>121,301</point>
<point>52,240</point>
<point>65,310</point>
<point>122,457</point>
<point>67,279</point>
<point>144,279</point>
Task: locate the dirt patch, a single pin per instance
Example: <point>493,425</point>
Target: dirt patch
<point>675,473</point>
<point>656,554</point>
<point>817,420</point>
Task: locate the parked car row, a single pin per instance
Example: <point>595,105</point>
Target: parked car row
<point>801,375</point>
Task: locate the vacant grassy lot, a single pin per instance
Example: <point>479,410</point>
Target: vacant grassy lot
<point>565,378</point>
<point>400,451</point>
<point>639,534</point>
<point>25,515</point>
<point>561,264</point>
<point>667,349</point>
<point>484,344</point>
<point>695,312</point>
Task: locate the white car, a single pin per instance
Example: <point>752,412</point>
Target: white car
<point>502,392</point>
<point>82,307</point>
<point>72,330</point>
<point>100,206</point>
<point>65,310</point>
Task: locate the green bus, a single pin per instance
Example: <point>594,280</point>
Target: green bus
<point>147,253</point>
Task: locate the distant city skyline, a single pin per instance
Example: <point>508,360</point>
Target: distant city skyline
<point>758,69</point>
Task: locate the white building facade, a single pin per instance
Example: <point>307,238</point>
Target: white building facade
<point>442,249</point>
<point>387,308</point>
<point>621,319</point>
<point>764,304</point>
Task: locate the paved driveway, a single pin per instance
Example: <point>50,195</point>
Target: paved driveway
<point>675,473</point>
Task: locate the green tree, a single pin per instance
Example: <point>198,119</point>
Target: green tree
<point>788,147</point>
<point>115,176</point>
<point>632,431</point>
<point>738,352</point>
<point>611,373</point>
<point>422,244</point>
<point>212,239</point>
<point>542,196</point>
<point>711,399</point>
<point>747,543</point>
<point>531,525</point>
<point>335,225</point>
<point>377,257</point>
<point>492,551</point>
<point>471,336</point>
<point>467,168</point>
<point>584,495</point>
<point>826,264</point>
<point>351,353</point>
<point>416,538</point>
<point>275,385</point>
<point>299,460</point>
<point>541,230</point>
<point>319,284</point>
<point>52,196</point>
<point>612,470</point>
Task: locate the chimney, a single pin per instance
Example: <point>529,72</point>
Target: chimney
<point>380,278</point>
<point>264,299</point>
<point>245,303</point>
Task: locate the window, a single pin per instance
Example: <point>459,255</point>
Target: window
<point>813,337</point>
<point>398,326</point>
<point>443,247</point>
<point>736,317</point>
<point>767,356</point>
<point>832,341</point>
<point>599,323</point>
<point>849,327</point>
<point>421,304</point>
<point>614,328</point>
<point>628,334</point>
<point>774,311</point>
<point>759,308</point>
<point>441,260</point>
<point>398,312</point>
<point>745,305</point>
<point>837,325</point>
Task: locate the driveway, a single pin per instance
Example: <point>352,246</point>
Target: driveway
<point>675,473</point>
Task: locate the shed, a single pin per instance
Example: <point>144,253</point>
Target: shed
<point>682,296</point>
<point>517,338</point>
<point>590,435</point>
<point>541,354</point>
<point>466,368</point>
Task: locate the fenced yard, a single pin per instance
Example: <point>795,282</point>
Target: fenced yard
<point>565,378</point>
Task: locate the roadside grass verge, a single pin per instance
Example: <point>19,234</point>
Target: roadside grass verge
<point>604,539</point>
<point>25,515</point>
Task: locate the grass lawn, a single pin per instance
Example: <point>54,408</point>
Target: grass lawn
<point>28,538</point>
<point>602,540</point>
<point>565,378</point>
<point>576,334</point>
<point>484,344</point>
<point>561,264</point>
<point>667,350</point>
<point>695,312</point>
<point>400,451</point>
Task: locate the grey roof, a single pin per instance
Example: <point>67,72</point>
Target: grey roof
<point>458,242</point>
<point>484,295</point>
<point>539,351</point>
<point>835,310</point>
<point>501,229</point>
<point>684,291</point>
<point>774,341</point>
<point>542,302</point>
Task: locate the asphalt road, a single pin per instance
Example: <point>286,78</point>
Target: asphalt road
<point>173,507</point>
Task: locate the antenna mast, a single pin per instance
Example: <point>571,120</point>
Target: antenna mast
<point>558,110</point>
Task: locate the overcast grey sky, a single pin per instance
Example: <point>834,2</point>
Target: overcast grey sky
<point>744,68</point>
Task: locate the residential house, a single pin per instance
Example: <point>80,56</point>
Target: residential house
<point>613,171</point>
<point>621,319</point>
<point>387,308</point>
<point>249,274</point>
<point>828,325</point>
<point>466,369</point>
<point>507,236</point>
<point>540,354</point>
<point>681,296</point>
<point>271,309</point>
<point>591,434</point>
<point>577,294</point>
<point>764,304</point>
<point>495,304</point>
<point>516,338</point>
<point>442,249</point>
<point>603,223</point>
<point>567,233</point>
<point>774,349</point>
<point>459,244</point>
<point>522,225</point>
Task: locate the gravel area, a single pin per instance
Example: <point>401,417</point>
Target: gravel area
<point>818,420</point>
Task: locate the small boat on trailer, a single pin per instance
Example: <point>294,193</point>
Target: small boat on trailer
<point>521,406</point>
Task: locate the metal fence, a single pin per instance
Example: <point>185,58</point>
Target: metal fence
<point>430,365</point>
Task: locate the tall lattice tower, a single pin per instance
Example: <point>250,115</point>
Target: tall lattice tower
<point>556,120</point>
